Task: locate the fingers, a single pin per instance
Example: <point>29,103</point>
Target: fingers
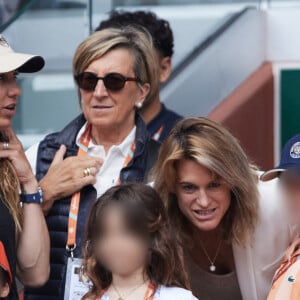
<point>80,164</point>
<point>59,155</point>
<point>90,171</point>
<point>12,141</point>
<point>7,154</point>
<point>88,180</point>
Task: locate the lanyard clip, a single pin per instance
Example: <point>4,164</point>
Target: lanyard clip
<point>71,249</point>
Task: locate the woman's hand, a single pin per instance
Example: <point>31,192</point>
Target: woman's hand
<point>15,153</point>
<point>66,176</point>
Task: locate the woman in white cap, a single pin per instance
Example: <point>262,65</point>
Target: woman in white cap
<point>23,230</point>
<point>286,280</point>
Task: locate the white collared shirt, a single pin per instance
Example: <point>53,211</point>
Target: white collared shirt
<point>113,160</point>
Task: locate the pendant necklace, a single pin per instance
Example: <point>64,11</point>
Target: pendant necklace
<point>212,261</point>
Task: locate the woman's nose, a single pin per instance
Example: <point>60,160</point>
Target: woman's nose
<point>203,199</point>
<point>100,89</point>
<point>13,89</point>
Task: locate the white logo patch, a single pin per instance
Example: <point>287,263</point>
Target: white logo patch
<point>295,150</point>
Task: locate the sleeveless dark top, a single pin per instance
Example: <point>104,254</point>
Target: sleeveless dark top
<point>8,238</point>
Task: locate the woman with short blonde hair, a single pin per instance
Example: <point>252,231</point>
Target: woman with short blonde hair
<point>107,145</point>
<point>211,193</point>
<point>138,42</point>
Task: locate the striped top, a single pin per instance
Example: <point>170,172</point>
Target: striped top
<point>286,282</point>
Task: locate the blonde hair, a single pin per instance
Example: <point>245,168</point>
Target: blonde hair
<point>136,39</point>
<point>9,188</point>
<point>215,148</point>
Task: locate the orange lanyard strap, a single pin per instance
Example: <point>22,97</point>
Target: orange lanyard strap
<point>101,294</point>
<point>75,200</point>
<point>149,295</point>
<point>156,136</point>
<point>128,159</point>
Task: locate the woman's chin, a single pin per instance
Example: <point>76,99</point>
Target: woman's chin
<point>102,122</point>
<point>5,124</point>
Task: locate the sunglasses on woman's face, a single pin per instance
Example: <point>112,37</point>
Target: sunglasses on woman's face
<point>113,81</point>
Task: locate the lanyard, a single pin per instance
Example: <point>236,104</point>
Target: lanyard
<point>149,295</point>
<point>156,136</point>
<point>75,200</point>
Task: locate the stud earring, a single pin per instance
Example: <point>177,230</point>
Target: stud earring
<point>139,105</point>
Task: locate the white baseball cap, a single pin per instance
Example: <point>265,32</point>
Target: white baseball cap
<point>11,60</point>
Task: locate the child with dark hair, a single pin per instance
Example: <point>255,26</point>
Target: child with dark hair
<point>129,250</point>
<point>5,274</point>
<point>159,119</point>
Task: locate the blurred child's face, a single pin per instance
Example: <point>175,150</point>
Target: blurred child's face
<point>4,287</point>
<point>290,182</point>
<point>118,249</point>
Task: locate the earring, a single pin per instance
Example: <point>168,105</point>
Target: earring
<point>139,105</point>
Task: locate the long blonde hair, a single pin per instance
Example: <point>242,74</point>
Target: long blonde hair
<point>9,188</point>
<point>215,148</point>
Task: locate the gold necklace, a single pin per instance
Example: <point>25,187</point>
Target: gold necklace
<point>122,297</point>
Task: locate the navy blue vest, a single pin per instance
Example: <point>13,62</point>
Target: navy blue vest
<point>57,219</point>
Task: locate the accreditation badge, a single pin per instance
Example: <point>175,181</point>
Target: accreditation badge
<point>77,285</point>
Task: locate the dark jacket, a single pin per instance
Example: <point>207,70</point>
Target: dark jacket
<point>57,220</point>
<point>166,119</point>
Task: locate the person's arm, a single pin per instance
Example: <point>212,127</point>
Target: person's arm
<point>33,248</point>
<point>33,245</point>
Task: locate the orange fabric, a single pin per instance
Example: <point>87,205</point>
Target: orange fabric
<point>75,201</point>
<point>21,295</point>
<point>158,133</point>
<point>150,293</point>
<point>4,262</point>
<point>286,282</point>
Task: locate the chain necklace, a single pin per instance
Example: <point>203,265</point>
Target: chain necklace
<point>212,261</point>
<point>122,297</point>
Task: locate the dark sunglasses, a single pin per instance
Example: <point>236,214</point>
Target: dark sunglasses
<point>112,81</point>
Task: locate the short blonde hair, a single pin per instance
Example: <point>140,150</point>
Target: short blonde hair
<point>215,148</point>
<point>136,39</point>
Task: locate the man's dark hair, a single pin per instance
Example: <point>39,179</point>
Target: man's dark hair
<point>159,29</point>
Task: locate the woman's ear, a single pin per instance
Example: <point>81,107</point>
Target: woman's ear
<point>145,89</point>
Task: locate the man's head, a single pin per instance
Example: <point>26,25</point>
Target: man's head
<point>158,28</point>
<point>288,172</point>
